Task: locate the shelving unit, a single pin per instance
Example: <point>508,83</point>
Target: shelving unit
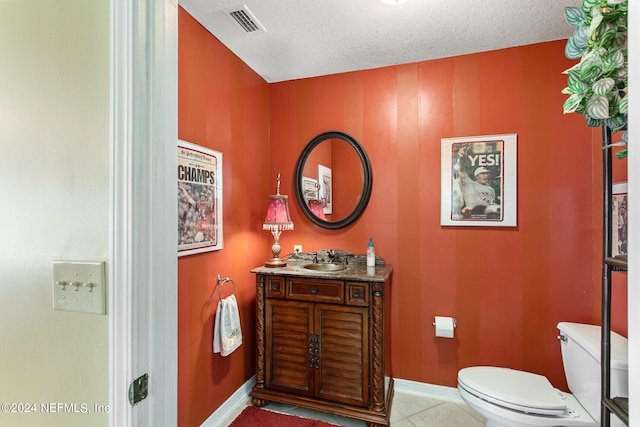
<point>616,405</point>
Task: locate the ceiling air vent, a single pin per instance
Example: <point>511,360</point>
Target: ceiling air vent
<point>243,17</point>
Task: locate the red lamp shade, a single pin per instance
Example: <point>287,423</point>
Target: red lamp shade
<point>278,217</point>
<point>317,209</point>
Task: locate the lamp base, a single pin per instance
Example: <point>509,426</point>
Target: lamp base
<point>275,263</point>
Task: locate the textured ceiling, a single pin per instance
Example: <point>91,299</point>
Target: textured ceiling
<point>308,38</point>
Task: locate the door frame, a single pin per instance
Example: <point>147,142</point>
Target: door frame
<point>143,213</point>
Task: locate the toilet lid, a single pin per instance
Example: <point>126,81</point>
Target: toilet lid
<point>522,391</point>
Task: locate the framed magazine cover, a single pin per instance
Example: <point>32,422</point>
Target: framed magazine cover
<point>619,219</point>
<point>199,199</point>
<point>325,190</point>
<point>479,181</point>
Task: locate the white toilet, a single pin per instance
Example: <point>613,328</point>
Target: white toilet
<point>511,398</point>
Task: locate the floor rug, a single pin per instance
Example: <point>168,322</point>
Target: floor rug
<point>256,417</point>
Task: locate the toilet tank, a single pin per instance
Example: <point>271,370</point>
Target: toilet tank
<point>581,359</point>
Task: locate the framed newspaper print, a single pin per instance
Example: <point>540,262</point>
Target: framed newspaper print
<point>619,219</point>
<point>479,181</point>
<point>310,188</point>
<point>199,199</point>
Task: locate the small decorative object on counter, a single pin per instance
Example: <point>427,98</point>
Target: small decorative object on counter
<point>371,254</point>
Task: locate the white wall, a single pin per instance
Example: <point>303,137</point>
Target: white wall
<point>54,193</point>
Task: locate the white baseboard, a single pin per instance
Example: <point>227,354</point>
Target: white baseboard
<point>232,406</point>
<point>238,400</point>
<point>439,392</point>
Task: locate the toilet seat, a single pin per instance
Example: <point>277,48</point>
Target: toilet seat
<point>517,390</point>
<point>499,416</point>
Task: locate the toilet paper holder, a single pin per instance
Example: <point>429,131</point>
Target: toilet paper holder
<point>455,323</point>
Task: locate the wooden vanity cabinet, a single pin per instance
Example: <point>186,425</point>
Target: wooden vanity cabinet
<point>318,350</point>
<point>321,345</point>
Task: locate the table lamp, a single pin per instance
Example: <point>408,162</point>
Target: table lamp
<point>277,220</point>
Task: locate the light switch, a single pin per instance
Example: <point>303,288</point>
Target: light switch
<point>79,286</point>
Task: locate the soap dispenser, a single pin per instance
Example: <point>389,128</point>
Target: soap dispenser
<point>371,254</point>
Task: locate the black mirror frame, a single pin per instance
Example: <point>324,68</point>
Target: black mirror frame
<point>366,188</point>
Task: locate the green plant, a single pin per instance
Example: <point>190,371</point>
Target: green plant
<point>597,85</point>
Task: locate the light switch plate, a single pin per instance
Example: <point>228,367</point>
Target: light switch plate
<point>79,286</point>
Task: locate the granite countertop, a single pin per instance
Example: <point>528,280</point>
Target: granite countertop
<point>356,270</point>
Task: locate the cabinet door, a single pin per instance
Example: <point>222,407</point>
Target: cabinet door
<point>289,327</point>
<point>342,374</point>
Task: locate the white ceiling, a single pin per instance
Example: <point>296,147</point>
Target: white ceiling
<point>308,38</point>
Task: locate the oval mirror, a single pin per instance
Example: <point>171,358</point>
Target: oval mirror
<point>333,180</point>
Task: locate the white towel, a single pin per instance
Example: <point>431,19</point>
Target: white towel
<point>227,335</point>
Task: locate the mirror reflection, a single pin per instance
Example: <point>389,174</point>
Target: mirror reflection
<point>333,180</point>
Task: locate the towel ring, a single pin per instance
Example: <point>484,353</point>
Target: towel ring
<point>220,283</point>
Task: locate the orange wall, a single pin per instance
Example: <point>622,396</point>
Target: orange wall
<point>508,287</point>
<point>222,105</point>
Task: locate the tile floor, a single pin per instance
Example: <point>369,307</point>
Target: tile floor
<point>407,410</point>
